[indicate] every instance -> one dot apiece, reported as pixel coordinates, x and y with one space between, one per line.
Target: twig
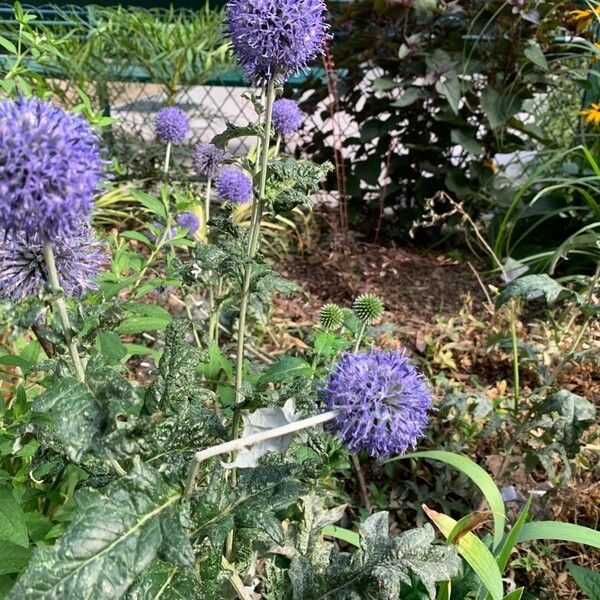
247 442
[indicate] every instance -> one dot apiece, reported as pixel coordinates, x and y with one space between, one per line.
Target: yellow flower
582 19
591 114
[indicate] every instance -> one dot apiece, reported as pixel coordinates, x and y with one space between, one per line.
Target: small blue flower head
189 221
172 125
78 255
274 39
207 159
383 399
287 116
233 185
50 168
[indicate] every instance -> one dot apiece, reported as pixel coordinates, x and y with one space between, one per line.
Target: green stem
253 243
515 353
207 205
167 158
61 307
254 235
359 337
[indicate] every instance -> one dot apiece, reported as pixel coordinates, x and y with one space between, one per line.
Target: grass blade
478 476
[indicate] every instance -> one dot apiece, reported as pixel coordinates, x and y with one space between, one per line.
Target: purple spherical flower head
274 39
383 399
78 255
287 116
207 159
233 185
172 125
50 168
189 221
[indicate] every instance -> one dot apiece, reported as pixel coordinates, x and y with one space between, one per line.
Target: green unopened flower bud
331 316
368 308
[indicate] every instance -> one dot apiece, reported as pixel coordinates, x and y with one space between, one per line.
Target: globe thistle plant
233 185
172 125
287 116
368 308
207 159
189 221
383 402
78 257
274 39
50 168
331 316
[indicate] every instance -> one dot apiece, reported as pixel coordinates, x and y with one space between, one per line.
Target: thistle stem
359 337
257 211
207 204
515 356
167 158
247 442
61 308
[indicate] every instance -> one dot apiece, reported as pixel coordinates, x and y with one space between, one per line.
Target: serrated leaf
576 415
530 287
74 418
587 580
12 519
113 536
165 582
116 395
176 547
186 428
264 419
176 373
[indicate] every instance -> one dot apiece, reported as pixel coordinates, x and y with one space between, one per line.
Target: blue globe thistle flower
287 116
78 255
274 39
189 221
172 125
207 159
233 185
383 399
50 168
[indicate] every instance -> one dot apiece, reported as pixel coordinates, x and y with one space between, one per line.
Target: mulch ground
417 288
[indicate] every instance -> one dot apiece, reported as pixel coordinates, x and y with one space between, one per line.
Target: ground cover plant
154 445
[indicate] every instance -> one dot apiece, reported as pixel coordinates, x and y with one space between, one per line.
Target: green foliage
73 418
587 580
452 90
115 534
381 568
530 287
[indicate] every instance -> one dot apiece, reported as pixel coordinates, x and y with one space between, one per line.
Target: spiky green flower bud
331 316
368 308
